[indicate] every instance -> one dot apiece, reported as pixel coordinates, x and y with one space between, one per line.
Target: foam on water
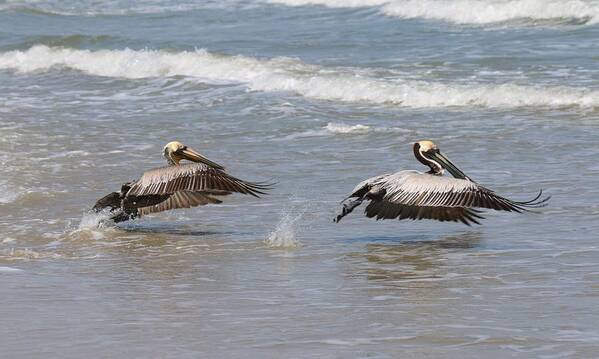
331 3
456 11
475 12
284 74
343 128
10 270
487 12
335 128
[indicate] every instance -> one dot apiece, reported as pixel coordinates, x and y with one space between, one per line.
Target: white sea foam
343 128
292 75
486 12
4 269
473 11
455 11
358 129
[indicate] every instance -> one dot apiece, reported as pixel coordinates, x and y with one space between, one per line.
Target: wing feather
416 195
179 199
422 189
193 177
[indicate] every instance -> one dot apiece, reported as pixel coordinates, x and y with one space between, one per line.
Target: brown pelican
430 195
175 186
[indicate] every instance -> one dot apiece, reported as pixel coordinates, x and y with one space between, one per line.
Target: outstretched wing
415 195
192 177
180 199
390 210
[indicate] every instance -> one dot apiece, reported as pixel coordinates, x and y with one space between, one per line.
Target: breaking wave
477 12
488 12
291 75
454 11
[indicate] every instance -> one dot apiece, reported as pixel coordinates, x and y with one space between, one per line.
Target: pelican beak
191 155
448 165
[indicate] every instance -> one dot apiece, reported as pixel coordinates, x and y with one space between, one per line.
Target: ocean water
315 95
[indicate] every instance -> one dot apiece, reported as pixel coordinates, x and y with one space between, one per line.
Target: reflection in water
396 262
171 230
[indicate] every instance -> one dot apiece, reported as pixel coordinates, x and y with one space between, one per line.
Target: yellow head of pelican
427 145
428 154
175 151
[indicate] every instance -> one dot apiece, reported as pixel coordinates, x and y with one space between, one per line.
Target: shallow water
316 96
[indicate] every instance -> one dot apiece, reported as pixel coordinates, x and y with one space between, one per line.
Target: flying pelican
430 195
175 186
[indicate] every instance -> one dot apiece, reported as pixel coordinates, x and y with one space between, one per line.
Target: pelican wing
389 210
180 199
111 201
192 177
415 195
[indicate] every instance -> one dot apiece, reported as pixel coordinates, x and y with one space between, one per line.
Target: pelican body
416 195
177 185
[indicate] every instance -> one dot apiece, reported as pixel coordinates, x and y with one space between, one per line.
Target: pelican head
428 154
175 151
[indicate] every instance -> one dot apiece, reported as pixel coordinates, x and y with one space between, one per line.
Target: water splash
92 220
91 226
8 194
284 235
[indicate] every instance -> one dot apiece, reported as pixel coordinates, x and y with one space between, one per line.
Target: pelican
175 186
430 195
